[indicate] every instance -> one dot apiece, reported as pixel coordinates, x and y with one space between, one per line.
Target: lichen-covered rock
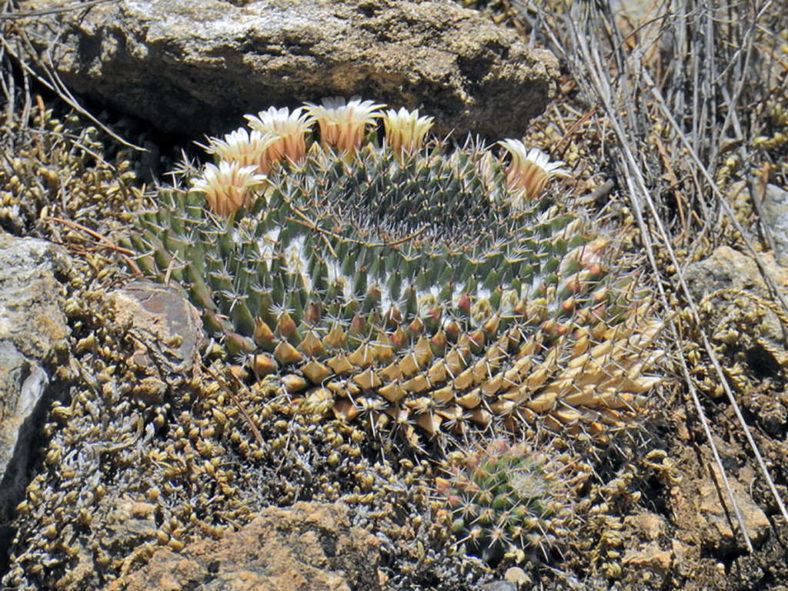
30 313
32 324
775 205
648 556
727 268
309 546
733 293
194 67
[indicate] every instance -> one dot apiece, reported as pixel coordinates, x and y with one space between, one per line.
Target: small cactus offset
506 501
416 284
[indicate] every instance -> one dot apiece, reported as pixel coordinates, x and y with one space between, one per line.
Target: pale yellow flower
289 129
243 147
405 130
529 170
227 187
343 125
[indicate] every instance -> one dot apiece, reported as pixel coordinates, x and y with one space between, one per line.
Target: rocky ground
132 455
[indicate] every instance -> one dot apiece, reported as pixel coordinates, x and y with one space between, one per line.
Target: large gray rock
195 66
32 327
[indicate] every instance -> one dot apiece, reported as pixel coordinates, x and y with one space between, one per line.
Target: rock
719 519
167 330
775 218
130 525
649 524
32 327
708 523
649 556
500 586
729 269
516 575
194 67
308 547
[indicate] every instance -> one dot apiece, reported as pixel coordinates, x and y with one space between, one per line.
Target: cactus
505 500
421 286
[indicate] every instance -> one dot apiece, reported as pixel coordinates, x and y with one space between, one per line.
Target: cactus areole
378 272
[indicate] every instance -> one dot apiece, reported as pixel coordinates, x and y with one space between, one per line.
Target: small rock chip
499 586
167 327
649 556
650 524
517 576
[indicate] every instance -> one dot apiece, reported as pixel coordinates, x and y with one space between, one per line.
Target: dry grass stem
695 113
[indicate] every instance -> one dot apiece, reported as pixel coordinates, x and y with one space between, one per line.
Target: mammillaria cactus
403 280
505 499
